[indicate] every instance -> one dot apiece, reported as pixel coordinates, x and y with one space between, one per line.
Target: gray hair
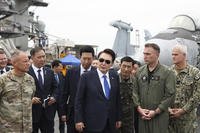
15 54
181 48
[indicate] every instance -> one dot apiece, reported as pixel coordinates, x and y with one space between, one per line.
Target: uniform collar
155 69
129 80
185 70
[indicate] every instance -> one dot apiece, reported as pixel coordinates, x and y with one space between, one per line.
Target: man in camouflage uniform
16 91
154 92
126 91
183 112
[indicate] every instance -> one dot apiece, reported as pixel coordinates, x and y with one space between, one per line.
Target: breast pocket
188 82
12 92
188 87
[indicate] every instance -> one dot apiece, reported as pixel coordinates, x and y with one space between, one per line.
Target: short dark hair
127 59
55 63
137 62
95 57
110 52
87 49
35 50
154 46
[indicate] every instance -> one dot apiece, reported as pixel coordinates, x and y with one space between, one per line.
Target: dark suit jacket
69 92
91 105
61 86
7 68
49 88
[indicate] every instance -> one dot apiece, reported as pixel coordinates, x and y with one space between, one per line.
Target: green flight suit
187 98
154 90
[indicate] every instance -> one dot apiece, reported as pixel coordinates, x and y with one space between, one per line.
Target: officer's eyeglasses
103 60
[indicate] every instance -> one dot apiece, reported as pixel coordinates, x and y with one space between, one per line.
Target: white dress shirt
83 69
102 80
4 70
36 72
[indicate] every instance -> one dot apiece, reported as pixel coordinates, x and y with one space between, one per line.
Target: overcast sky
87 21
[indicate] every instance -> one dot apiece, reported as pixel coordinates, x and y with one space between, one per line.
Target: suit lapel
60 77
45 76
75 77
111 78
7 69
98 84
78 72
33 74
93 68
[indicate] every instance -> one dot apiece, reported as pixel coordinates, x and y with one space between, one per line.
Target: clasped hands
146 114
176 112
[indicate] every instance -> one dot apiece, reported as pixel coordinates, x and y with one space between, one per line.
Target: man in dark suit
72 78
97 102
3 62
44 106
57 68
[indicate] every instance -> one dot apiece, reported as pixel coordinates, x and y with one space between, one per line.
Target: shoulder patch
197 76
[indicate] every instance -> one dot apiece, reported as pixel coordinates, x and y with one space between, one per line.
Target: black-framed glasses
103 60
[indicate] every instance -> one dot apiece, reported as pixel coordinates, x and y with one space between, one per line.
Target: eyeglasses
103 60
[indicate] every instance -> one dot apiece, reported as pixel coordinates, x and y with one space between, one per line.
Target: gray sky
87 21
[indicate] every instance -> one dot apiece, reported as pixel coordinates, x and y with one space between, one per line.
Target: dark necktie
85 70
2 71
40 78
106 87
56 77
